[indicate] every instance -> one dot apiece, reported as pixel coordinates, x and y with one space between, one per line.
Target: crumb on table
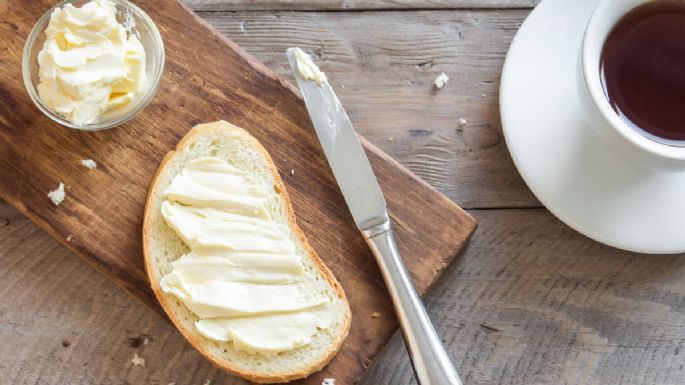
375 314
57 196
441 80
89 164
138 360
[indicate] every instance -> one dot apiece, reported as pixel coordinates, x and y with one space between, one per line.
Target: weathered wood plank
533 302
383 64
62 322
529 302
347 5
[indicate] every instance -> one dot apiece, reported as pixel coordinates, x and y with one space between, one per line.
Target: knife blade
352 171
345 154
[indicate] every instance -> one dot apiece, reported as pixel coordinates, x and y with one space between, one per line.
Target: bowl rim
141 102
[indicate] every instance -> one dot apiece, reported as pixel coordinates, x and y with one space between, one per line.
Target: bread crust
223 128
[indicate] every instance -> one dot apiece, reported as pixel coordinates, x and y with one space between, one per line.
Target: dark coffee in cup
643 70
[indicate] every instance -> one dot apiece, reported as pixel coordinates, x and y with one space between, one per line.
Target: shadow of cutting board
208 77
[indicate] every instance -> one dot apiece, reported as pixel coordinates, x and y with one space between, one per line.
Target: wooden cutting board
208 77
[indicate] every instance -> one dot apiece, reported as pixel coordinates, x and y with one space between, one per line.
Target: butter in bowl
92 65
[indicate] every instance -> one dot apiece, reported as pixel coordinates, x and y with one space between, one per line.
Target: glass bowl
139 23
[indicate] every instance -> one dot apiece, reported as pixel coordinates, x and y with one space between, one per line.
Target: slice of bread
161 246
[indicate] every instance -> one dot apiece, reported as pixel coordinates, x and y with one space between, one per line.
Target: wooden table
529 301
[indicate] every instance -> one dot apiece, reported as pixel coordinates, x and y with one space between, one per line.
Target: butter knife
365 200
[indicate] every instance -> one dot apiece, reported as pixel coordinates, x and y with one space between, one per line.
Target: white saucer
570 170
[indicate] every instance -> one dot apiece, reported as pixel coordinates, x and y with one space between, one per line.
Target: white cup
618 134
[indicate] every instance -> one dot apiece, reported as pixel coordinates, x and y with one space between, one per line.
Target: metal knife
365 200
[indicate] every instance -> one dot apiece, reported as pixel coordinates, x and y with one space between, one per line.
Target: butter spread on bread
246 170
243 276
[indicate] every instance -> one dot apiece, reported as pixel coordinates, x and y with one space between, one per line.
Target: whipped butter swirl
89 63
244 276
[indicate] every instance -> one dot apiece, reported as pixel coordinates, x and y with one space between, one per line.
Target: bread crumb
375 314
390 139
292 172
483 96
462 122
208 382
171 383
89 164
146 340
328 381
69 238
242 27
441 80
138 360
57 196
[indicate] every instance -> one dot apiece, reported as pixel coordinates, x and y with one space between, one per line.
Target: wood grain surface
351 5
529 301
100 218
383 65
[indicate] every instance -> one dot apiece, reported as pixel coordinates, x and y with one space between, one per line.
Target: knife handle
429 359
